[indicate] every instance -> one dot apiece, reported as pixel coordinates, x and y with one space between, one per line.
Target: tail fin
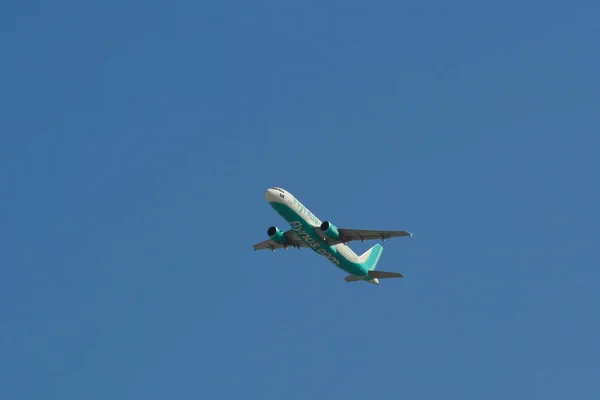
370 257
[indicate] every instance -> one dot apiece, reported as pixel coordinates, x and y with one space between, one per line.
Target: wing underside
291 240
348 235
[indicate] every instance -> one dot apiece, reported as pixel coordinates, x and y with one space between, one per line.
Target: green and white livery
326 239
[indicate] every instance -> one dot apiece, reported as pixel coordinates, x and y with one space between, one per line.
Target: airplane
326 239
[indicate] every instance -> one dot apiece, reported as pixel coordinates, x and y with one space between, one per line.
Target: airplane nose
271 195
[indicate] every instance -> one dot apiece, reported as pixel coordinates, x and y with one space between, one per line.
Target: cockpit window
279 189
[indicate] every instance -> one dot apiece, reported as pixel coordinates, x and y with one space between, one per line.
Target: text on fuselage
305 211
314 244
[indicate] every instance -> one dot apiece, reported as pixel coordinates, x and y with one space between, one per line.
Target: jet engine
276 235
330 230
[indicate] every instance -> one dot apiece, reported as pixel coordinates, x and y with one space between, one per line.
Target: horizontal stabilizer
374 274
384 275
352 278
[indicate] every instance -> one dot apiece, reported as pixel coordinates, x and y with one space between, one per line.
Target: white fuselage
307 227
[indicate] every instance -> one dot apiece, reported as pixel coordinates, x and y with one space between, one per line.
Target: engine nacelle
276 235
330 230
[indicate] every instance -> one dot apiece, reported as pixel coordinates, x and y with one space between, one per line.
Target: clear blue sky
137 140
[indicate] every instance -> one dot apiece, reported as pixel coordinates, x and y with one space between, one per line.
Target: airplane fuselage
306 225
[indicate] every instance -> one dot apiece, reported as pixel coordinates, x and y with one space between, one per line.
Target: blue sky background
137 140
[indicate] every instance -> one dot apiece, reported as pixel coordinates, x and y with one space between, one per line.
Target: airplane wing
291 240
347 235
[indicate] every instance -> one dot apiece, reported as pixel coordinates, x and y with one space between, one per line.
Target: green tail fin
370 257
